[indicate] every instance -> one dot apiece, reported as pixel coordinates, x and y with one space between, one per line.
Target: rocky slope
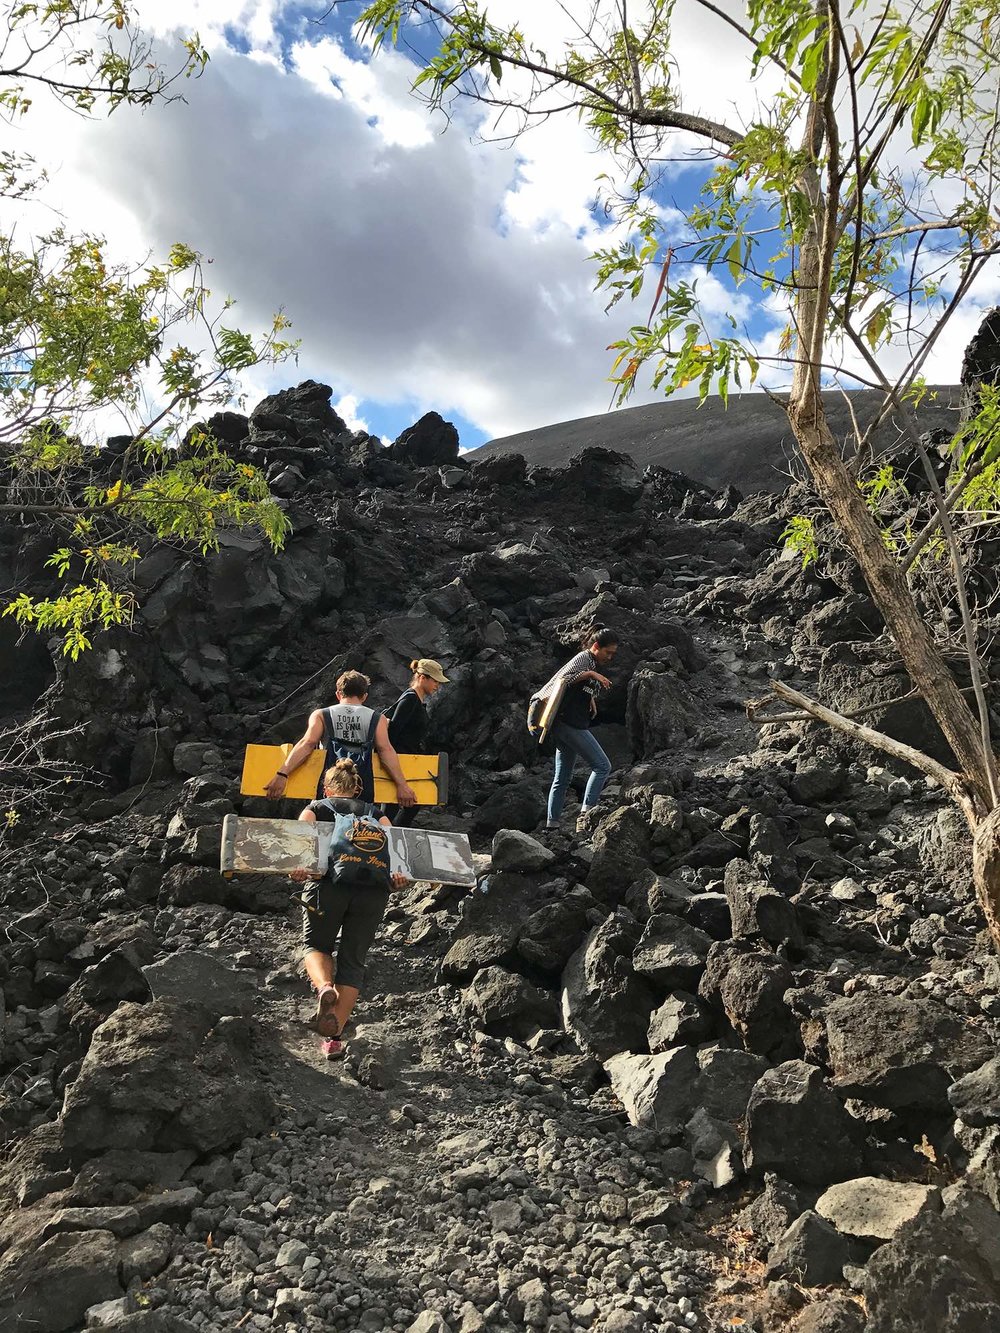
727 1060
747 443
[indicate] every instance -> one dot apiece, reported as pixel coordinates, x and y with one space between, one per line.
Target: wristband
280 774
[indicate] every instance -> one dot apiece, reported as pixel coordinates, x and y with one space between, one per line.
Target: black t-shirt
575 709
406 724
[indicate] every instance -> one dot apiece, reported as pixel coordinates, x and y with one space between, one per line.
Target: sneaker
324 1020
583 821
333 1048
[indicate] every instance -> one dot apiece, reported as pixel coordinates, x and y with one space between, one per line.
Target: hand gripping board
427 774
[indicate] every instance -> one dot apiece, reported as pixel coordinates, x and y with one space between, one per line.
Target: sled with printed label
279 846
427 774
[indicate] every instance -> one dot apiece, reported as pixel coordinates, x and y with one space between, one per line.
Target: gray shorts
354 914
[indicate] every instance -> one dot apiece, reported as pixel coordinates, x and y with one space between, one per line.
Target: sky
421 267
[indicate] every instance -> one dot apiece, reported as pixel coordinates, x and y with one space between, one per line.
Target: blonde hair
343 777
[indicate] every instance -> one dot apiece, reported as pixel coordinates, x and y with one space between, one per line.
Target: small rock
811 1252
516 851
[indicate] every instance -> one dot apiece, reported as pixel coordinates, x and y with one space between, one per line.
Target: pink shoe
333 1049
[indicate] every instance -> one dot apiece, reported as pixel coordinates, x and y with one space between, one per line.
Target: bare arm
300 752
390 762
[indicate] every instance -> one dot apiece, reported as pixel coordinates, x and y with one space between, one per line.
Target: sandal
324 1020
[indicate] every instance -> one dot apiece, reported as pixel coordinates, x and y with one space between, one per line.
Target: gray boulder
662 712
506 1004
872 1209
671 953
514 850
657 1091
797 1127
605 1005
99 989
166 1076
932 1278
838 1314
715 1149
770 855
621 854
549 937
749 987
975 1099
810 1252
756 910
772 1212
489 925
147 1254
710 912
679 1021
726 1078
519 805
49 1289
429 442
203 979
899 1053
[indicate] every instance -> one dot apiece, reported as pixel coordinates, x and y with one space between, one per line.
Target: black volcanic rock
429 442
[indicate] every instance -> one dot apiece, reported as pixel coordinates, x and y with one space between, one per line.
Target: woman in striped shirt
584 679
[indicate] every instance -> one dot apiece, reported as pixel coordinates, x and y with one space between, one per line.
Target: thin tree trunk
887 584
926 667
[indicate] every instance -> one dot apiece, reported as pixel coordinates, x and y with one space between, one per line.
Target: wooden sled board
279 846
550 712
427 774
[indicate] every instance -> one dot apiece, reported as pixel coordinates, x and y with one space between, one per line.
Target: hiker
408 722
584 679
349 730
349 900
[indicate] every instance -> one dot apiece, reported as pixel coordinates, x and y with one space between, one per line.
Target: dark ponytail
600 635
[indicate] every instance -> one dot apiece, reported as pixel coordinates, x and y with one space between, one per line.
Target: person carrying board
582 679
347 730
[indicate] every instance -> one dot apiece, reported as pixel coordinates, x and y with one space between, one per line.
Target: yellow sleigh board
427 774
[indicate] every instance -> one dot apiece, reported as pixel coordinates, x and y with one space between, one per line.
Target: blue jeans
574 743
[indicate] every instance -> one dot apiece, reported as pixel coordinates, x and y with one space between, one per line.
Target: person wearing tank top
349 730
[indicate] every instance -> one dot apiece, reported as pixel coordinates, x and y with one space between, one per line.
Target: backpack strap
327 728
376 718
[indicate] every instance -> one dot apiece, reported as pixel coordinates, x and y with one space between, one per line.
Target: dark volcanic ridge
748 445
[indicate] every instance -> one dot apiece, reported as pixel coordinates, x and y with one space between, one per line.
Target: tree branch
952 782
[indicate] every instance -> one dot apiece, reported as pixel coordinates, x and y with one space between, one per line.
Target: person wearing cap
408 721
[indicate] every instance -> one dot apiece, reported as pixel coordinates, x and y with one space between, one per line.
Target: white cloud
420 268
346 407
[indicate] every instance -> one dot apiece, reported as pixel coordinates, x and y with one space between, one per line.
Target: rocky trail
724 1060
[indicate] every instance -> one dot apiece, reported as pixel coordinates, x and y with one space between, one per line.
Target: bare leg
346 999
319 969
